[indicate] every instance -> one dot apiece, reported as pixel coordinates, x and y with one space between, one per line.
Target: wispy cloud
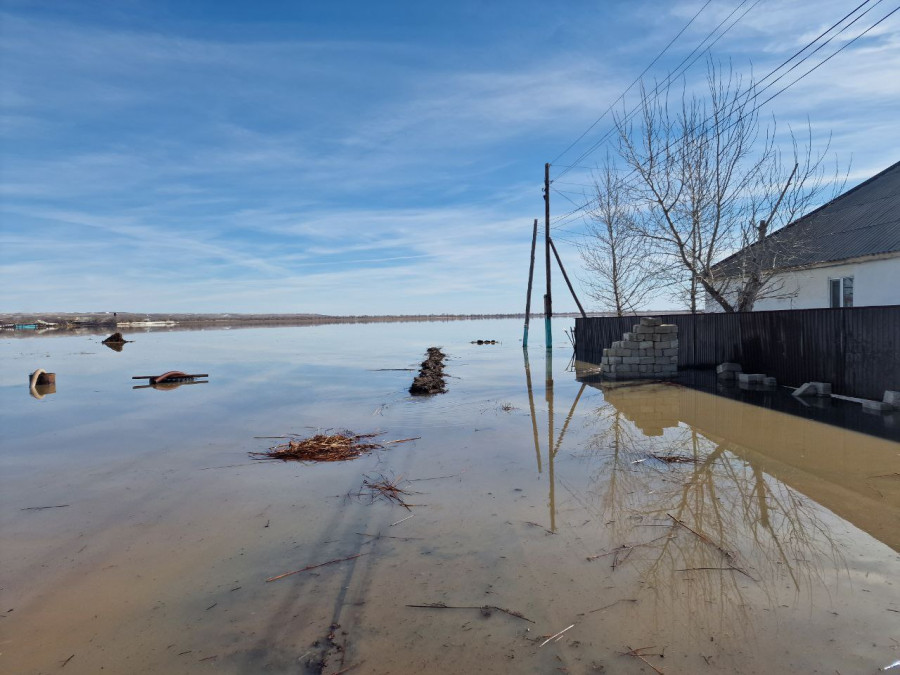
312 165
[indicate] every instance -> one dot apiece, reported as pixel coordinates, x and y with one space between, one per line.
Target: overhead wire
679 70
565 218
633 82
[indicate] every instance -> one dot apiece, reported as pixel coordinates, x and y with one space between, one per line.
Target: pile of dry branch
431 376
321 448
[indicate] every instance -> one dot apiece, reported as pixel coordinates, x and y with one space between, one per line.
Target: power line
560 220
635 81
678 71
757 92
835 53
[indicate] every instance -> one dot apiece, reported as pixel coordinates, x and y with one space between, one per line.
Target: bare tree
705 182
614 252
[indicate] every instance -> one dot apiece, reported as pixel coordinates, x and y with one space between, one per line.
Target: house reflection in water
854 475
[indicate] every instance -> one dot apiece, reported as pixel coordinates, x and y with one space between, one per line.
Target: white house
843 254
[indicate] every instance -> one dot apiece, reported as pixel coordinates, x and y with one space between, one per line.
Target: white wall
875 282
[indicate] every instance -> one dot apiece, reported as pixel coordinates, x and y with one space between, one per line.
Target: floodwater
667 529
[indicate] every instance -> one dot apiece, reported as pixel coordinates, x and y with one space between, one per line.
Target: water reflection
554 442
849 473
41 383
168 386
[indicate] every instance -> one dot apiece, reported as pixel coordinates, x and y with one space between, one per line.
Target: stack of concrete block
650 350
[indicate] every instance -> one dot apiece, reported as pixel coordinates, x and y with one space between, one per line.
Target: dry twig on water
636 653
621 553
725 552
612 604
485 609
312 567
556 635
386 488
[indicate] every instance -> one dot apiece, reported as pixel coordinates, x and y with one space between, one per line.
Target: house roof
863 221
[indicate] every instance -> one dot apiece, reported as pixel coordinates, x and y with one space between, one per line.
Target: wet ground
666 528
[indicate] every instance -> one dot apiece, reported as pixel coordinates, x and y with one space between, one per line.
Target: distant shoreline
42 323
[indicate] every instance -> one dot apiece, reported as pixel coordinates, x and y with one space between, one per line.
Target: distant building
843 254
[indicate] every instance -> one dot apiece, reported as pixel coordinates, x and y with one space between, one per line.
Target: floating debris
484 342
485 610
386 488
116 342
170 377
337 447
675 459
431 376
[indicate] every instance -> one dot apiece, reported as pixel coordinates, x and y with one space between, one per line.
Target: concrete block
814 389
643 369
631 344
877 406
806 389
617 344
727 375
631 359
770 382
667 328
645 344
892 398
643 329
647 360
751 378
670 352
651 321
615 359
728 367
606 352
658 337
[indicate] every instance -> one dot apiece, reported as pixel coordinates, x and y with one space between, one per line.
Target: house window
841 292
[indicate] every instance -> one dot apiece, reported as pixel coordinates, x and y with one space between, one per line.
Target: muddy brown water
771 546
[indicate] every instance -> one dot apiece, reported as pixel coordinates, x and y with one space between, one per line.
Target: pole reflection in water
553 442
548 395
537 445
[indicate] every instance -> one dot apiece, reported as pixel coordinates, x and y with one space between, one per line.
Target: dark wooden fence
856 349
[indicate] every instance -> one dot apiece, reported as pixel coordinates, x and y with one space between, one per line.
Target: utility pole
530 279
548 298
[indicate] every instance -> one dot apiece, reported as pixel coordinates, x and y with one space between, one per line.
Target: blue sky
353 157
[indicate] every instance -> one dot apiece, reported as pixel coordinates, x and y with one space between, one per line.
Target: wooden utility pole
530 279
548 298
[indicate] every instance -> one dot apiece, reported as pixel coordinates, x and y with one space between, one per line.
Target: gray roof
864 221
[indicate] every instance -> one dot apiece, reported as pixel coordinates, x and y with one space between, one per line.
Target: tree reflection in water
742 528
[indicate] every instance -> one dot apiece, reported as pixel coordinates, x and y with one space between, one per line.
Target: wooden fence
856 349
